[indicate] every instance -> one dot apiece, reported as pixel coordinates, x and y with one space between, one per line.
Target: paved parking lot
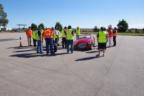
24 73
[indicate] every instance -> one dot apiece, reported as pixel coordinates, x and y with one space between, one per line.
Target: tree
3 17
33 26
122 26
41 26
58 26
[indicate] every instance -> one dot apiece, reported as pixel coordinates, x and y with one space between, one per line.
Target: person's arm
107 37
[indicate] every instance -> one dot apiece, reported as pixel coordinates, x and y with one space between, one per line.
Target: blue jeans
49 45
69 46
39 46
77 37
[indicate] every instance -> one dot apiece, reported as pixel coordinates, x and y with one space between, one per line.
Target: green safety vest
35 35
63 33
78 31
102 37
69 35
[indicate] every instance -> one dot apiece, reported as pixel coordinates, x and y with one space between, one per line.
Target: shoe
98 55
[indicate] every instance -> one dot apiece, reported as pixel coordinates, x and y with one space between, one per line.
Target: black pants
34 42
114 40
64 42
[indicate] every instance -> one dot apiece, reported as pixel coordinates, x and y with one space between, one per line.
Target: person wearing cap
102 41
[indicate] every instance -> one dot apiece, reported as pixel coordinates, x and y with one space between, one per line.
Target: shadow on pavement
3 40
64 53
92 51
24 50
87 58
24 47
28 55
32 55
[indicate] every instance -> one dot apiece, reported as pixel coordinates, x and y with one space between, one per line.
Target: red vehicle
85 43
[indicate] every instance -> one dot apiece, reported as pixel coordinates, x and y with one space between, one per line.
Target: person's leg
28 40
110 41
47 45
104 49
103 52
34 43
98 50
77 37
37 47
68 43
63 43
114 41
41 47
55 46
52 46
71 46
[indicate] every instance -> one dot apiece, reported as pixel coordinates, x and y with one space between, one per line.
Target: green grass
120 33
130 34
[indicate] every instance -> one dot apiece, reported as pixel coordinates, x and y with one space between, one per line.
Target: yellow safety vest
102 37
35 35
78 31
69 35
63 33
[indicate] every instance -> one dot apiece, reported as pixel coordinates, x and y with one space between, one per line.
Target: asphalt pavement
25 73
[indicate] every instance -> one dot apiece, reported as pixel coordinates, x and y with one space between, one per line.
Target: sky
83 13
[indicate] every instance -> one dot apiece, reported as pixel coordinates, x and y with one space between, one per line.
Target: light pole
21 25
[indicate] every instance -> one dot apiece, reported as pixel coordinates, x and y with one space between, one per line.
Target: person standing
49 35
57 36
78 32
39 42
69 38
56 39
29 36
110 35
114 36
35 37
63 32
102 41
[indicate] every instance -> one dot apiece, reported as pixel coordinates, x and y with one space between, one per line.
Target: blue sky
83 13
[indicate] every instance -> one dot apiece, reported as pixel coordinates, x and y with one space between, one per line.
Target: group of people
52 37
106 37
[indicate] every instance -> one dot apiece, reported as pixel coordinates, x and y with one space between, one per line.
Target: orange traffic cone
20 42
